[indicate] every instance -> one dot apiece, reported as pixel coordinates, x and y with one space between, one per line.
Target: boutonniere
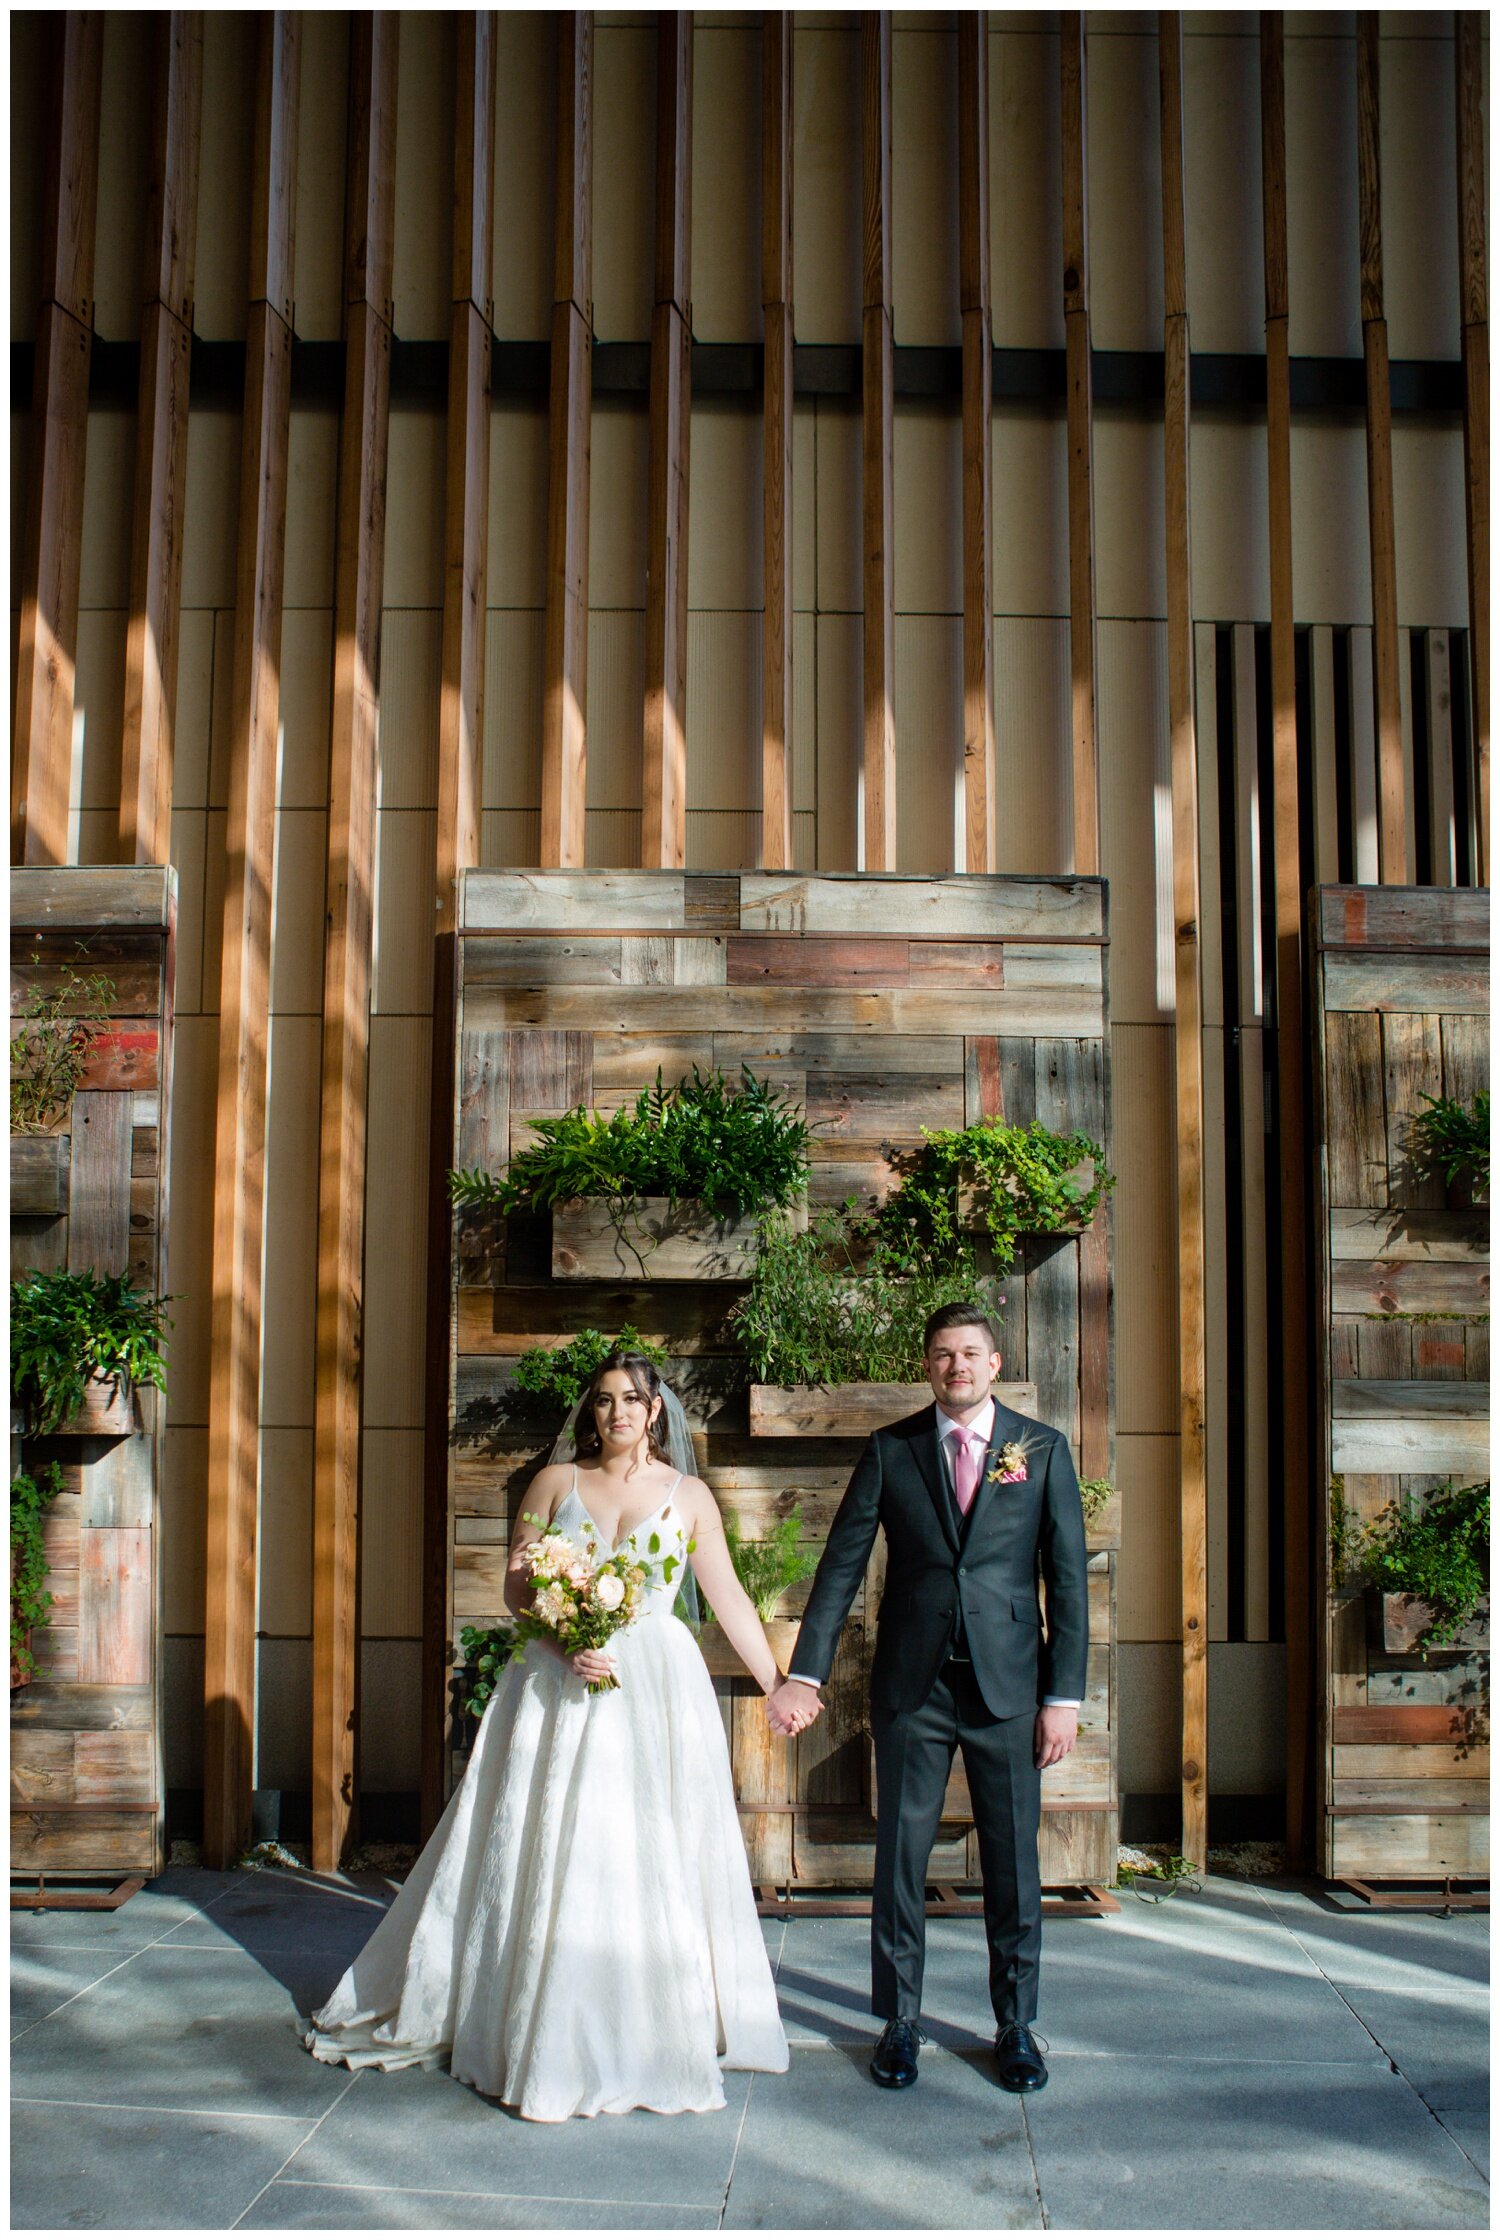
1010 1469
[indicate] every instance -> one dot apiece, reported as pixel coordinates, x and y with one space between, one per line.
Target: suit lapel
924 1446
988 1496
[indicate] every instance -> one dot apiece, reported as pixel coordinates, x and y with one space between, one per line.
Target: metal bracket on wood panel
1473 1897
786 1901
66 1898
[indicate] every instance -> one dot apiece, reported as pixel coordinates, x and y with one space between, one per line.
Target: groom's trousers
913 1759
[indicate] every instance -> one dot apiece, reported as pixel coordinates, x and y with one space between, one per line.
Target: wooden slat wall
974 296
776 294
1389 751
664 771
877 829
1083 655
161 442
349 917
244 991
1188 1017
565 645
51 556
1473 283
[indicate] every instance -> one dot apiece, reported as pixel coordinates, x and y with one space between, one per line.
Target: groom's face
962 1365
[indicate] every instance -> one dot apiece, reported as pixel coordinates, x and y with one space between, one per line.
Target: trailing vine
30 1599
49 1051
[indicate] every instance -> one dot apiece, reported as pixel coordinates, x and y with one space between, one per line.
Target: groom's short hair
961 1315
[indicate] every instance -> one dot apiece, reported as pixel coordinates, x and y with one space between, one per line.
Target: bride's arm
542 1497
714 1571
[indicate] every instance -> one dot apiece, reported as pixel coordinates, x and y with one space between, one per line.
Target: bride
579 1936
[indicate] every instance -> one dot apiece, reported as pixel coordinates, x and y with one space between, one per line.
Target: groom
975 1501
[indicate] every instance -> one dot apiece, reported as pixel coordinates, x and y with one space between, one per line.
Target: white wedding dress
579 1936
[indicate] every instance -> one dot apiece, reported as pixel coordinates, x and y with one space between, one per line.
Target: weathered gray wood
1397 1847
38 1175
656 1243
1400 1443
1047 1012
852 1411
1393 1401
99 1182
1404 1618
1410 1287
1389 917
972 905
67 1708
572 902
1357 1173
84 895
1413 1062
1403 1233
494 960
1393 980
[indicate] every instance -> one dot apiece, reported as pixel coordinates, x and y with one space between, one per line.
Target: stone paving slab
126 2168
1472 2131
173 1899
287 2207
43 1977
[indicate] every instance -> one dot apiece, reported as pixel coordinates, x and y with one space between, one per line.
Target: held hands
1055 1734
793 1706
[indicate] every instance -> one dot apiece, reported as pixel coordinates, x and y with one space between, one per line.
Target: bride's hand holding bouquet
579 1604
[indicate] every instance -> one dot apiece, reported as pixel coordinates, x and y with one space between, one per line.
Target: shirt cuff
806 1678
1064 1703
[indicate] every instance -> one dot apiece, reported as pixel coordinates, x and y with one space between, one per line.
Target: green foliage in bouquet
49 1051
766 1568
66 1328
1439 1552
1003 1180
487 1650
29 1598
739 1151
843 1303
1452 1138
552 1377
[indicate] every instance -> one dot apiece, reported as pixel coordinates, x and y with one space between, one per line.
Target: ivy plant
1436 1549
552 1377
487 1650
1003 1180
1452 1139
767 1568
67 1329
30 1600
49 1051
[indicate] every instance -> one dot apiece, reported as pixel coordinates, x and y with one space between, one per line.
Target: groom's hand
1056 1732
793 1706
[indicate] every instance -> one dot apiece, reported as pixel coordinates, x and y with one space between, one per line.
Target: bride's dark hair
642 1374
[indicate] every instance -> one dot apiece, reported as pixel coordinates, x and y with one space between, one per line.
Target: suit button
963 1571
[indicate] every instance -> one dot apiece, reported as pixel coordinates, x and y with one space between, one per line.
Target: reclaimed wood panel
1410 1287
898 1011
1410 1846
994 909
1394 980
1398 1233
46 899
39 1175
99 1185
83 1843
852 1411
1403 918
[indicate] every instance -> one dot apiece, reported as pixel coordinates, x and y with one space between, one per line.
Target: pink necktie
965 1469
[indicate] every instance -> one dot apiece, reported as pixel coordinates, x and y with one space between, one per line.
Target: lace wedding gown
579 1936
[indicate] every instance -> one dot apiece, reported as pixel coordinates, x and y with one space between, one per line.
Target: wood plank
1393 1797
38 1175
501 961
852 1411
239 1150
1475 344
1395 1401
1083 660
762 960
51 553
90 898
972 907
565 631
1411 1762
83 1843
965 964
1391 981
658 1244
114 1769
1071 1012
549 1071
514 1317
664 766
593 902
99 1183
60 1707
1443 918
41 1768
1355 1108
1398 1233
1390 766
1379 1847
978 850
876 840
130 960
779 413
1428 1723
1409 1287
115 1606
161 441
866 1107
1406 1618
1466 1057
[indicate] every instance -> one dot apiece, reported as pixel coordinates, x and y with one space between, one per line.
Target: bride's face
621 1412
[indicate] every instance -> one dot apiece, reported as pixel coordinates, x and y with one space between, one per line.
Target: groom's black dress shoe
1022 2068
894 2061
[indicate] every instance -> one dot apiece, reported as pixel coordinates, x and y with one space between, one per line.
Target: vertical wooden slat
664 774
348 953
974 285
1081 636
1388 747
877 837
161 443
1188 1018
1474 313
47 643
565 644
1296 1391
776 295
244 992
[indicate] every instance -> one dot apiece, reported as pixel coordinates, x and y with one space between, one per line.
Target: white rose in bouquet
609 1591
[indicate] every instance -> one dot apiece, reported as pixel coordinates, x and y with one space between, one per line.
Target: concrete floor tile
824 2146
1225 2145
1442 2053
310 2208
44 1976
274 1907
121 2168
175 1898
1471 2129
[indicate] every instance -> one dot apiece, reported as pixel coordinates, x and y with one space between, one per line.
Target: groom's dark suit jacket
950 1581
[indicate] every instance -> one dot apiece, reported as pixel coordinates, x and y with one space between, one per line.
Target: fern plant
552 1377
30 1599
1439 1552
1007 1181
1452 1139
766 1568
68 1329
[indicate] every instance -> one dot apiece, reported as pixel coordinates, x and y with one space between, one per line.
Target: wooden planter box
39 1175
109 1411
658 1243
1104 1532
724 1663
851 1411
1404 1618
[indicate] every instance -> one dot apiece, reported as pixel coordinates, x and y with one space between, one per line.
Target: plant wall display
68 1330
49 1051
29 1598
552 1377
1004 1181
1096 1494
1437 1550
767 1568
1451 1139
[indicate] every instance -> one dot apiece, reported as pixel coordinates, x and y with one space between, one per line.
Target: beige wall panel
511 839
124 160
306 707
184 1526
725 283
390 1531
724 713
1025 192
840 737
617 692
195 683
322 142
826 190
1148 1593
517 506
924 182
839 482
285 1551
405 908
619 507
395 1237
1322 199
411 680
624 178
421 282
929 739
1330 533
211 509
722 839
804 509
1029 514
291 1242
1419 236
1135 817
1221 107
726 498
1216 1335
1124 180
98 709
929 508
1427 468
804 715
1205 671
189 839
90 836
224 170
195 1060
1144 1218
525 157
1230 540
416 480
29 31
297 911
1129 537
511 773
1033 744
611 839
312 486
215 822
104 573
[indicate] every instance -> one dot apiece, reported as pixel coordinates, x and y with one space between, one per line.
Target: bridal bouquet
579 1604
